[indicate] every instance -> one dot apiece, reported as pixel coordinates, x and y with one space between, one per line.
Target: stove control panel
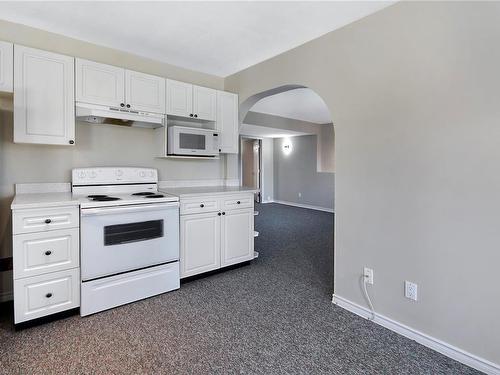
113 175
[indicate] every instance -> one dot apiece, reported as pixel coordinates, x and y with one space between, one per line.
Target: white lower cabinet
215 239
237 237
46 261
47 294
200 243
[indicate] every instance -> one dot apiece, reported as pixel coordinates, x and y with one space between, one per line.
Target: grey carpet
271 317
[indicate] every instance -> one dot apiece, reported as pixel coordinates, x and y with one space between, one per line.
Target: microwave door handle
127 209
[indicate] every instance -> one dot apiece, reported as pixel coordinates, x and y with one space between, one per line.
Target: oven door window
192 141
132 232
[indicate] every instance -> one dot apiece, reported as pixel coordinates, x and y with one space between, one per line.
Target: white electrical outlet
411 290
300 195
368 274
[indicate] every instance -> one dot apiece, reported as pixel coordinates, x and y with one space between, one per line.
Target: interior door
179 98
200 243
250 164
99 83
204 103
44 99
237 236
144 92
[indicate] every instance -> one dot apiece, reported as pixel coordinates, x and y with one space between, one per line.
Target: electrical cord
364 280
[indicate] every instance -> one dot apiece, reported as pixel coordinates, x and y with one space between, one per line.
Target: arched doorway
288 134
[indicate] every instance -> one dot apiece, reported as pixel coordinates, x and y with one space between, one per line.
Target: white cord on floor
364 280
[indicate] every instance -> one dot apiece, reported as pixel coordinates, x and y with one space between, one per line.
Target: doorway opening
251 159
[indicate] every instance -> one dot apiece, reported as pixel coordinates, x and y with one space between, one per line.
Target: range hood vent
96 114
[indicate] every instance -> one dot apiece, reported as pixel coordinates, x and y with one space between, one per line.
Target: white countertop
36 200
185 192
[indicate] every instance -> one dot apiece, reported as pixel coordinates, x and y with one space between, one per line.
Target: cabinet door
6 66
204 103
179 98
44 100
144 92
99 83
227 121
237 237
200 243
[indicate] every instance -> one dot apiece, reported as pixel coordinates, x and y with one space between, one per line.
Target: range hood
97 114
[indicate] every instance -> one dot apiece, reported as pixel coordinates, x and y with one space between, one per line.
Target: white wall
267 193
414 95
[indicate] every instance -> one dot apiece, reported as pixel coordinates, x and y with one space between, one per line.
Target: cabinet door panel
6 66
200 243
44 108
99 83
227 121
179 98
144 92
204 103
237 237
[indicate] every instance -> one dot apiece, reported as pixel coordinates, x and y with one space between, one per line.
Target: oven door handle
127 209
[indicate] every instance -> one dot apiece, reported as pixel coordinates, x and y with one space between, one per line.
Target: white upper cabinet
227 121
99 83
6 66
187 100
179 98
144 92
44 100
204 103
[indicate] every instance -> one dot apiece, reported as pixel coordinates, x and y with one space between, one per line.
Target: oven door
124 238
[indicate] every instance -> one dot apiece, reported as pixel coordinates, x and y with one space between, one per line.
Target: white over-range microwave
187 141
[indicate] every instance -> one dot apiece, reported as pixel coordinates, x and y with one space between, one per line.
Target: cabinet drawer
43 295
39 253
43 219
238 201
199 205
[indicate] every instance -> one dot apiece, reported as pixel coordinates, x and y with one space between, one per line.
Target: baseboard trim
270 201
442 347
308 206
6 296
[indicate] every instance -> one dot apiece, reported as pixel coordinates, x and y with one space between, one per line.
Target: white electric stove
129 240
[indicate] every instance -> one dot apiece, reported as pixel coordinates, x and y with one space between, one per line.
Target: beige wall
414 94
95 145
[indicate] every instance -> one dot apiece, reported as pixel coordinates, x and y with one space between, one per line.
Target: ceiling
299 104
219 38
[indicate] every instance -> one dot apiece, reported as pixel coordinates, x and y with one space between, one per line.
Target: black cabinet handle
195 115
223 213
48 221
48 295
71 142
48 252
219 213
220 150
122 104
202 205
190 115
238 202
128 105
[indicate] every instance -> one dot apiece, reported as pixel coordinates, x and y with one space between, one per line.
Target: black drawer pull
223 213
48 252
48 295
202 205
238 202
219 213
48 221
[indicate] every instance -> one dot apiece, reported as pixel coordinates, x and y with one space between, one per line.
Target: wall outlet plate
368 275
411 290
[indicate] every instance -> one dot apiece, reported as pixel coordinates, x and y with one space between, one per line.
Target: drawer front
44 219
43 295
199 205
44 252
238 201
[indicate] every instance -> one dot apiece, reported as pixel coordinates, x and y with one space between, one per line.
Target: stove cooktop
125 198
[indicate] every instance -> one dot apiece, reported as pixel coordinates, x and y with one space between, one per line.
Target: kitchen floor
273 316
